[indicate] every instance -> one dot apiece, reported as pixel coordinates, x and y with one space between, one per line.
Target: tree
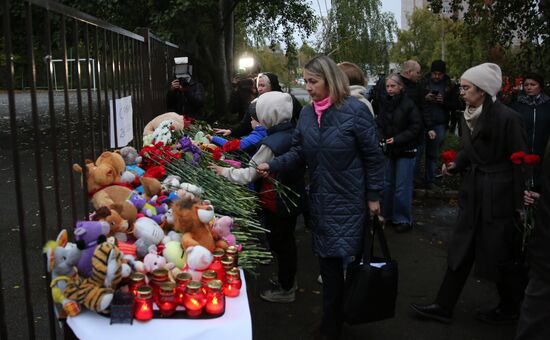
206 29
359 32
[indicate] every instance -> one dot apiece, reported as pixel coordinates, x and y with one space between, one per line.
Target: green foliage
357 31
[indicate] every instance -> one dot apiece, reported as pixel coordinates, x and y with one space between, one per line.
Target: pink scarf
320 107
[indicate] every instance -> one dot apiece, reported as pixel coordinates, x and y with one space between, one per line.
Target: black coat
451 102
189 102
345 166
491 192
398 117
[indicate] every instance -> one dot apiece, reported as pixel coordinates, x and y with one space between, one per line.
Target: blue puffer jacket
345 167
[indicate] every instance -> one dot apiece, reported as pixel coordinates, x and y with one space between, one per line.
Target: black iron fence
61 72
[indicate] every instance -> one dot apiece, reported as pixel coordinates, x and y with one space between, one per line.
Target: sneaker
279 295
274 282
320 279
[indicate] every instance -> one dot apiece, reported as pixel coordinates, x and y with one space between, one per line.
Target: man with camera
440 100
186 97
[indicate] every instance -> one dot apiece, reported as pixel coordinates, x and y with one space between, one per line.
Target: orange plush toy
191 218
104 188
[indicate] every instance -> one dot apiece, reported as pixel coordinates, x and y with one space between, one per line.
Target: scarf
320 107
471 115
537 100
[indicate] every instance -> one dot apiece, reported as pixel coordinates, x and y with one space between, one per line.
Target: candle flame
214 300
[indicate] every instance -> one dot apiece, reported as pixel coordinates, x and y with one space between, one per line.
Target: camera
182 70
383 146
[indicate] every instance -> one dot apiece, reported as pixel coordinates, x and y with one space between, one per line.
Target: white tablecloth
235 324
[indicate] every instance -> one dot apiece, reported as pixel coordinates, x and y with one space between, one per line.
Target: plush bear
147 233
177 119
152 261
191 218
88 235
108 269
62 257
173 253
222 230
118 226
198 260
102 188
133 171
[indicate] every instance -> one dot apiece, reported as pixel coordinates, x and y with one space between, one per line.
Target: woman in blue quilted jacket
336 139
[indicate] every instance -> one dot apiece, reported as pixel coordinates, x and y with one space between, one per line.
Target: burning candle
232 286
207 276
136 280
182 279
215 302
167 300
217 265
234 253
227 262
194 300
143 304
159 276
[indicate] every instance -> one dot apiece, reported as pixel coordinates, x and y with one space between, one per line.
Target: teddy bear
108 270
88 235
198 260
147 232
152 261
102 179
191 218
221 229
62 257
118 226
132 159
176 118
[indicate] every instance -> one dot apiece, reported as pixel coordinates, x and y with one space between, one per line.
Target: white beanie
487 77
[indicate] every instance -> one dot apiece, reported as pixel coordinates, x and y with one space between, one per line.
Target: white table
235 324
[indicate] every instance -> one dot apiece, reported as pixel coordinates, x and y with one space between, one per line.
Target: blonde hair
396 78
337 82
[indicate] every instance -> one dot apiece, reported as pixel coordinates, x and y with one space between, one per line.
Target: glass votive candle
217 265
182 279
227 262
215 302
136 280
158 277
207 276
232 285
194 299
234 253
143 303
167 300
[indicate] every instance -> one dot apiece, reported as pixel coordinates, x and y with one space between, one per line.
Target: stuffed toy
62 257
189 190
163 133
171 183
132 159
152 261
176 118
88 235
148 233
108 269
102 188
198 260
191 218
151 187
150 208
222 230
118 226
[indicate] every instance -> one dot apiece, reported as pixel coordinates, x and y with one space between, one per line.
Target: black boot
432 311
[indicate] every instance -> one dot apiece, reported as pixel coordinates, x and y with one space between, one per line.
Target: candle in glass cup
232 285
136 280
158 277
194 299
182 279
143 303
207 276
234 253
217 265
167 300
227 262
215 302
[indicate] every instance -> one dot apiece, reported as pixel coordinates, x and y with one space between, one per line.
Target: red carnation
531 159
156 171
216 154
232 145
448 156
518 157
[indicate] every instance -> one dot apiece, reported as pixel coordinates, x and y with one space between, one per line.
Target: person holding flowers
490 198
280 211
336 139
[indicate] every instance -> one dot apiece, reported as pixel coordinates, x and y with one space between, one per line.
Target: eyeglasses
464 88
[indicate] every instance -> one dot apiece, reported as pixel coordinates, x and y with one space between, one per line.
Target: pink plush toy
222 230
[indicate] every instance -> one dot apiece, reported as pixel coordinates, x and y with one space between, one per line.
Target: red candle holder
136 280
232 285
234 253
227 263
182 279
158 277
215 302
194 299
143 304
217 265
207 276
167 300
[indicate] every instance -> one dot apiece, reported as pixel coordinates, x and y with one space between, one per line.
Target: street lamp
246 62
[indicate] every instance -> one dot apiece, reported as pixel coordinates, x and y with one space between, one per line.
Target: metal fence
48 46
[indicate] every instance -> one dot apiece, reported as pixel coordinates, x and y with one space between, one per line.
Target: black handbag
371 285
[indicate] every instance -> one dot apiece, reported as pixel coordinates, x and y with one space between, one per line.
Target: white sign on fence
124 128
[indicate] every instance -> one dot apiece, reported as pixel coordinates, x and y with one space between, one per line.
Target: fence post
147 113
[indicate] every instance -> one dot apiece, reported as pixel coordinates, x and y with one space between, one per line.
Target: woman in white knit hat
489 200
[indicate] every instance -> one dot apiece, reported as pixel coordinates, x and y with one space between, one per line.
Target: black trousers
283 244
332 272
510 288
534 319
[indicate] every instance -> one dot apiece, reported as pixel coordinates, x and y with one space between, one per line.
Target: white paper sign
124 127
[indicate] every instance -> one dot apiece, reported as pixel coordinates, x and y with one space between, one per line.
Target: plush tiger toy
96 292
